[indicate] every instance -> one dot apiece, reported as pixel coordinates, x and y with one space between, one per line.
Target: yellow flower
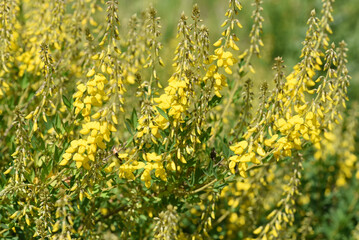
149 157
239 147
224 59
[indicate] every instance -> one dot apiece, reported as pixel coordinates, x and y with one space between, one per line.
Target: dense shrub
103 137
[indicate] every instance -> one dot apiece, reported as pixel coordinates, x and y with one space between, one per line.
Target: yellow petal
91 73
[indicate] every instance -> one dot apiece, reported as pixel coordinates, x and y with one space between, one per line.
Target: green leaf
206 134
198 174
3 180
163 113
134 118
219 185
30 176
56 154
57 124
24 81
214 101
143 217
3 226
67 102
65 183
130 140
104 194
45 171
210 167
129 126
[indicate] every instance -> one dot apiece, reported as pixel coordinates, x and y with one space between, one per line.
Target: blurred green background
283 31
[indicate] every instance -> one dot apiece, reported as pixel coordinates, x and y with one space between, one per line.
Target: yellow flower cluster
241 159
175 98
94 131
94 95
83 150
151 161
291 133
297 83
97 92
149 125
340 141
293 130
30 62
237 209
219 79
224 59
